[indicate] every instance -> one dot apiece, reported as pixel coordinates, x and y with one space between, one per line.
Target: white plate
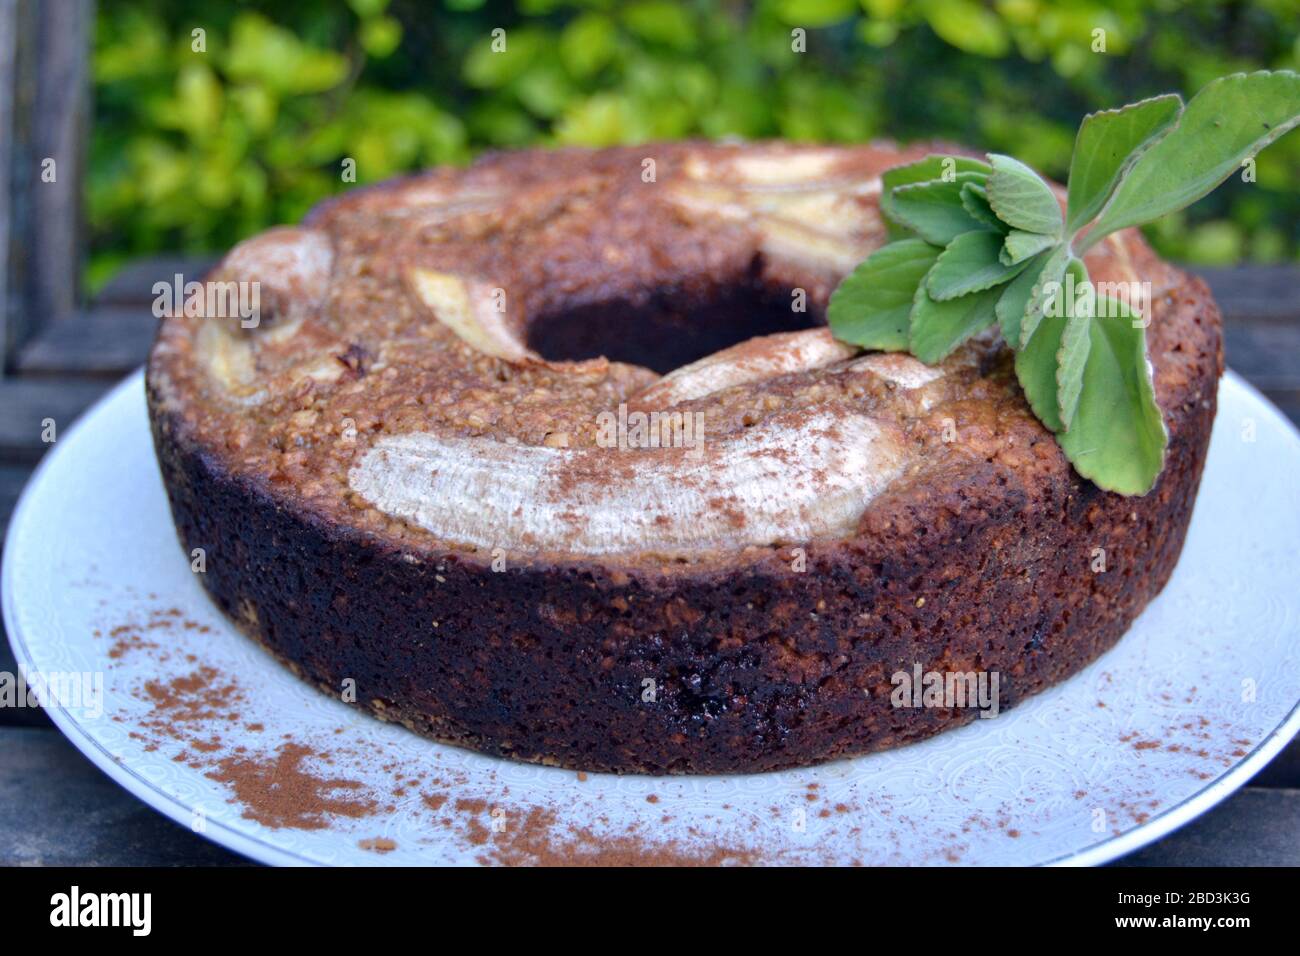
1196 698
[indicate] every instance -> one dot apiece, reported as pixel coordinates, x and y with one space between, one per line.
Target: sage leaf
969 264
937 328
1045 289
1118 437
1021 198
1015 299
1036 365
1020 245
933 210
1072 354
976 201
1107 146
871 306
933 167
1228 121
1051 365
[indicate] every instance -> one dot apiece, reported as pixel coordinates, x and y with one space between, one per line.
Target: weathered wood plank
13 478
57 809
1256 293
1288 403
18 716
8 67
1253 827
51 113
1266 353
28 403
1283 771
101 341
133 284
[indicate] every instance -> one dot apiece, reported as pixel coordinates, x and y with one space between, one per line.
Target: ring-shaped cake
553 458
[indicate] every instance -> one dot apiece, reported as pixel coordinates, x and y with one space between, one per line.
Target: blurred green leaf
496 61
1215 244
368 8
545 90
256 105
602 120
878 32
815 13
968 26
380 36
588 44
262 52
197 104
661 21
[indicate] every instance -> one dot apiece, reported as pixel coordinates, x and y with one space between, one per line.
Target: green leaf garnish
1021 198
934 210
1020 245
1118 435
939 327
1108 144
1016 295
923 171
1036 370
971 263
871 306
1041 296
1008 255
1072 355
976 201
1229 121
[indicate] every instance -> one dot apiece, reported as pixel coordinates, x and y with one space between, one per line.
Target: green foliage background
193 150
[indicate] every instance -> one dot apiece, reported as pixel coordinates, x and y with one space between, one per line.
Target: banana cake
553 457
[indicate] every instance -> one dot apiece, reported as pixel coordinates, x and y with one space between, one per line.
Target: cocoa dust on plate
283 787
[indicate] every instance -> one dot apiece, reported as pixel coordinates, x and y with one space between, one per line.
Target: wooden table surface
56 808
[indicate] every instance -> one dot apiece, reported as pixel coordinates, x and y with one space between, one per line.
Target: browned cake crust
978 555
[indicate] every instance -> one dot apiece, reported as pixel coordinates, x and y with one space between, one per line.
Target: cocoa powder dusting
276 788
537 839
279 792
185 704
134 635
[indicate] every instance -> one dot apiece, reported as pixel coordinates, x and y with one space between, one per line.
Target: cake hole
668 328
